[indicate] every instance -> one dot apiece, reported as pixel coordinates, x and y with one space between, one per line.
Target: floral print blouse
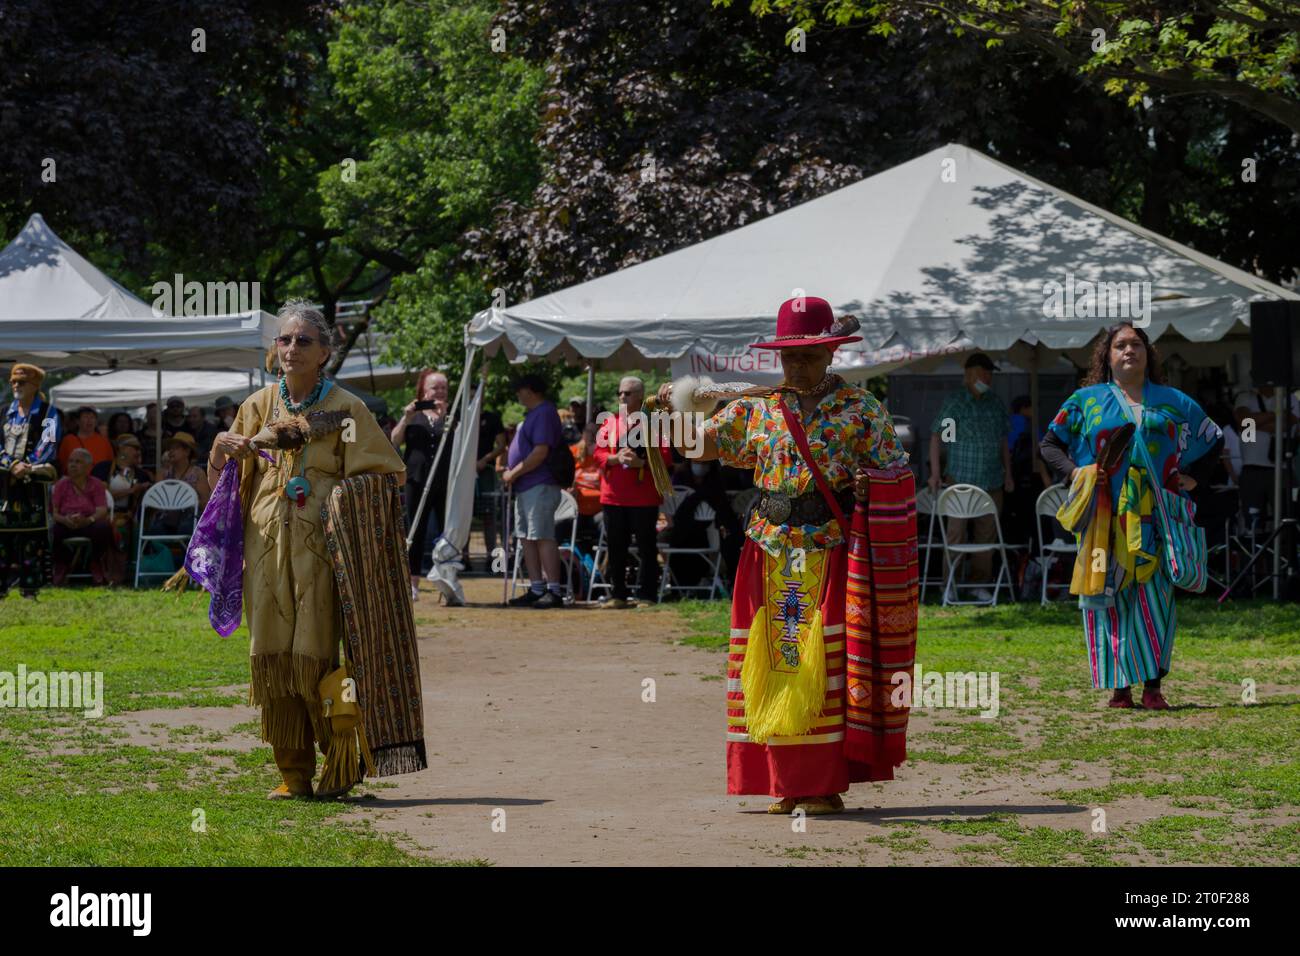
848 428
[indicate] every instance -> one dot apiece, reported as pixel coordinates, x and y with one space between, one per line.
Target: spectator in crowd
628 498
536 492
420 430
127 484
87 436
33 430
704 478
972 425
225 408
1029 475
492 446
1257 406
174 419
119 424
148 435
203 430
576 421
586 472
180 460
80 505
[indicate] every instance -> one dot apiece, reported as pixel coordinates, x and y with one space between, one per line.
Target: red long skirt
811 764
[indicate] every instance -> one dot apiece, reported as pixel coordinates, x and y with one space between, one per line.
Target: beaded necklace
306 403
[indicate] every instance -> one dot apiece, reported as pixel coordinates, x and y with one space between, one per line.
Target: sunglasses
302 340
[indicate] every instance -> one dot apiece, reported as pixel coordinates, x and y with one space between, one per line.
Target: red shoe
1154 700
1122 699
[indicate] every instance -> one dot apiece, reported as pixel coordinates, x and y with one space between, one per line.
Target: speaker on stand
1275 365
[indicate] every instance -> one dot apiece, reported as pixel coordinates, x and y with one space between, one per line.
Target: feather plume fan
292 433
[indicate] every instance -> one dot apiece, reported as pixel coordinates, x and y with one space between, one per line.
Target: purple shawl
215 556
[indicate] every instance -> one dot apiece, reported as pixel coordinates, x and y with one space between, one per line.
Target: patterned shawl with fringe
880 622
366 540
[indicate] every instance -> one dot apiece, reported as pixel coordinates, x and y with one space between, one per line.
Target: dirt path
537 719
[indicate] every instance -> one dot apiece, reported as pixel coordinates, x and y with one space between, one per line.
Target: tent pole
591 394
1281 412
157 431
1033 406
449 423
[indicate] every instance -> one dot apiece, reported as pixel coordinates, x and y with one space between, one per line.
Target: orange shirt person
586 472
87 436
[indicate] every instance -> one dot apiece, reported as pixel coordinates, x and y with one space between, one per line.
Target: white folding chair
567 509
1048 504
169 495
80 547
672 502
927 504
712 556
597 580
971 502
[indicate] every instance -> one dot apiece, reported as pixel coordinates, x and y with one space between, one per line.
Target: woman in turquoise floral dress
1130 634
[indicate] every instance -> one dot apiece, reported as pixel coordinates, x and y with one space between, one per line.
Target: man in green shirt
972 426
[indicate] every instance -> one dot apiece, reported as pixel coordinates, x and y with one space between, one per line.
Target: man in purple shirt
536 492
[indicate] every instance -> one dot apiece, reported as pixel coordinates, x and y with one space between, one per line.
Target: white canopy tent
132 387
56 308
949 252
945 254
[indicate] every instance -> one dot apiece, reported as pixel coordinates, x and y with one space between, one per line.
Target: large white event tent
56 308
947 253
950 252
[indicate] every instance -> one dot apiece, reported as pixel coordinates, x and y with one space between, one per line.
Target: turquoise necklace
306 403
298 488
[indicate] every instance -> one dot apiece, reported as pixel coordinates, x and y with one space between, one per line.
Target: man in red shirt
628 499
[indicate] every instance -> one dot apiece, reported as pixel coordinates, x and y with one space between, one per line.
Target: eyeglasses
302 340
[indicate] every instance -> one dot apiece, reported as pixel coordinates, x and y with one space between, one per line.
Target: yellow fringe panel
777 703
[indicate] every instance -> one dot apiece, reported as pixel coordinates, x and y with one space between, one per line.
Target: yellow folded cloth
1087 512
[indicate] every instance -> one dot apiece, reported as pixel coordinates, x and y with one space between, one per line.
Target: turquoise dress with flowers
1133 639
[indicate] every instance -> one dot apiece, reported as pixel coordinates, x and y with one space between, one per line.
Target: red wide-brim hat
808 320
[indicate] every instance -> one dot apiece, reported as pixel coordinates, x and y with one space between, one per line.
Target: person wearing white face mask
972 427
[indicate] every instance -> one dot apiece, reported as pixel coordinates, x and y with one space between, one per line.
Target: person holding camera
420 429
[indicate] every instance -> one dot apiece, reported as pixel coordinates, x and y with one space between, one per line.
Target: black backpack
560 463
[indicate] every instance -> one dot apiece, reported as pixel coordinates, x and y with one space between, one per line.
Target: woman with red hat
808 677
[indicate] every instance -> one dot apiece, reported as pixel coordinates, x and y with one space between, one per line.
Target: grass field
74 791
1216 780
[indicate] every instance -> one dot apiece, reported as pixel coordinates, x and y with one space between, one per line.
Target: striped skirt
1134 640
811 764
